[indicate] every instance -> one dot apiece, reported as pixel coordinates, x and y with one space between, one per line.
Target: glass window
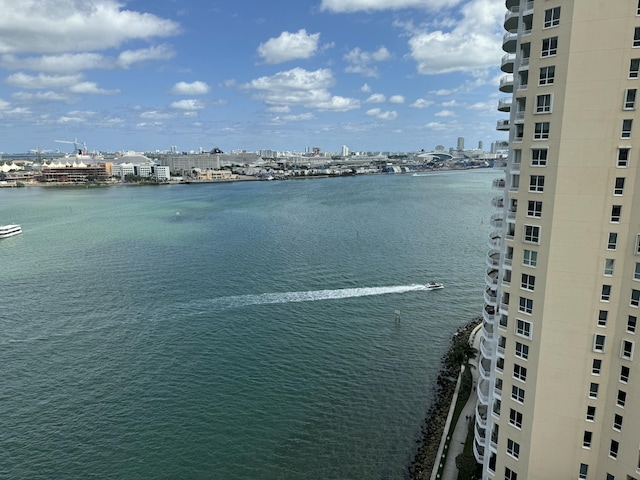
584 471
617 422
616 213
608 266
517 394
623 157
515 418
634 68
531 234
548 74
526 305
513 448
626 351
542 131
586 439
528 282
636 37
613 449
552 17
549 46
630 99
602 318
618 188
534 208
624 373
596 366
593 390
536 183
636 272
606 293
530 258
523 328
622 398
626 128
539 157
591 413
522 351
599 343
635 297
520 372
612 242
631 324
510 474
543 103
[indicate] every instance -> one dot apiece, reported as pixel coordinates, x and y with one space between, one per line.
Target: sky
146 75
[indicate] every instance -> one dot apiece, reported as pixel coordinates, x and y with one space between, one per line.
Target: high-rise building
460 145
559 384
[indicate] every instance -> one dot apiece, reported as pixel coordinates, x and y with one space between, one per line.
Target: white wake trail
309 296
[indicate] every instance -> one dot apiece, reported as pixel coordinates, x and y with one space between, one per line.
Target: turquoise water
232 331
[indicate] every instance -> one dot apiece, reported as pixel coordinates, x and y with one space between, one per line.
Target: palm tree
460 354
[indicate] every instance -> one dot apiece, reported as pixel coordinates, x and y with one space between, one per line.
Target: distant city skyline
392 75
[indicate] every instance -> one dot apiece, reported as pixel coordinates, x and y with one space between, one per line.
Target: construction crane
75 142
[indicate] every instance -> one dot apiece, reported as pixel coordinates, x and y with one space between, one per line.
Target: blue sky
390 75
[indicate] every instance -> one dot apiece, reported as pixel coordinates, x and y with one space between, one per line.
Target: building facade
559 387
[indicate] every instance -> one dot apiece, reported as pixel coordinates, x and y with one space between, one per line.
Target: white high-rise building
559 388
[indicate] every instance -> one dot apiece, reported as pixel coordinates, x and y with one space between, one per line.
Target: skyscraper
559 388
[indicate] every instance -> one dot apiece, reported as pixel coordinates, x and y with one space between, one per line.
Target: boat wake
308 296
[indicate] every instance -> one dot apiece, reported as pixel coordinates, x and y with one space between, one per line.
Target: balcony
487 331
506 84
524 63
498 183
504 104
515 167
500 163
478 452
511 3
509 42
480 436
496 220
483 391
528 9
495 239
486 348
493 256
518 117
481 414
503 125
489 314
498 202
484 368
507 63
490 298
511 19
491 278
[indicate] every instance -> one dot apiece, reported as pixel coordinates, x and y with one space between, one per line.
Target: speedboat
9 230
434 286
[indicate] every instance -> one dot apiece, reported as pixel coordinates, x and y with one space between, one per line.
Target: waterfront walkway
459 436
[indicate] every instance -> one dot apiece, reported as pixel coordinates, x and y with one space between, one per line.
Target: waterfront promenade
460 431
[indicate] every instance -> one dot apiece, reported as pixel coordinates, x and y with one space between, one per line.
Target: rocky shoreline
434 424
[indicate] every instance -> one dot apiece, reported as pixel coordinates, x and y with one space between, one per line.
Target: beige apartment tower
559 384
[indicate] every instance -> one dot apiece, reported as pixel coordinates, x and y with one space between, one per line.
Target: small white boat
9 230
434 286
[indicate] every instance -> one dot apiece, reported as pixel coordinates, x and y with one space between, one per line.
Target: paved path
459 437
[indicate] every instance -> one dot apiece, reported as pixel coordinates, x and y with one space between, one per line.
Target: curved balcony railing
507 63
489 314
490 298
493 255
509 41
506 84
498 183
498 201
479 438
504 104
511 18
503 125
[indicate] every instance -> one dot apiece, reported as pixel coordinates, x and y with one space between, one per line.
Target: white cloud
46 96
343 6
422 103
292 118
376 112
155 115
71 26
396 99
158 52
450 103
190 104
91 87
300 87
193 88
22 80
472 45
361 62
445 113
365 88
437 126
289 46
376 98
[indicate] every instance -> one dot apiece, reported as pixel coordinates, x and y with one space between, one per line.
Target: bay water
241 330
